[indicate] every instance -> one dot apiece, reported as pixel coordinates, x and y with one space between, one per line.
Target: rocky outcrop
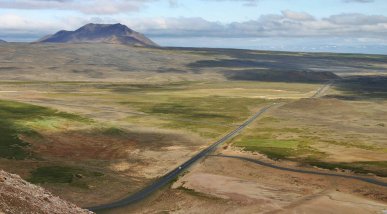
17 196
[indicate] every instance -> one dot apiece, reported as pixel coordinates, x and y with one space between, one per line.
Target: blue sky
295 25
229 11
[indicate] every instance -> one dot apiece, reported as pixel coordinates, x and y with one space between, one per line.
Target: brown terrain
93 123
222 185
18 196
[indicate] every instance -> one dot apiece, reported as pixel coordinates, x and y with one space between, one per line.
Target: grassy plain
93 123
205 108
344 129
124 132
19 118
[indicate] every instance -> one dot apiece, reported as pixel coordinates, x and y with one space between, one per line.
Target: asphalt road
364 179
170 176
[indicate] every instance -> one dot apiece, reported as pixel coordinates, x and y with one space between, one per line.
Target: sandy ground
342 154
335 202
222 185
236 189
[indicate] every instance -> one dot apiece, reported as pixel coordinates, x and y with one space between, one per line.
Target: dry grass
148 110
328 132
129 126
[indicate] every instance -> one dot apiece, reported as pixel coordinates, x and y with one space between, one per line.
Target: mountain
2 41
100 33
19 196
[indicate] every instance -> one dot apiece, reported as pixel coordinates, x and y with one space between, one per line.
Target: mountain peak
94 25
101 33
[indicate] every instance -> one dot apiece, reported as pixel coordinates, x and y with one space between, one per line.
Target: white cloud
245 2
113 6
286 24
357 19
299 16
84 6
255 2
14 22
18 27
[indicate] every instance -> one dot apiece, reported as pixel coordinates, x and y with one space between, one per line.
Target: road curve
364 179
170 176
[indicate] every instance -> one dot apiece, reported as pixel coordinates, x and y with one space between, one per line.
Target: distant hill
2 41
100 33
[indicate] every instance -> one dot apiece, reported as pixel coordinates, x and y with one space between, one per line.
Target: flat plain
95 123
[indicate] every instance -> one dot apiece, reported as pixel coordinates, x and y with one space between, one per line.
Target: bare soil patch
219 185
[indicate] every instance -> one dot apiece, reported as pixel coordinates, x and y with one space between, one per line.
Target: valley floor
134 114
222 185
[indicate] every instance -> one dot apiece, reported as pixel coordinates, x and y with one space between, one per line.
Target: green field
19 118
61 174
117 129
126 116
344 129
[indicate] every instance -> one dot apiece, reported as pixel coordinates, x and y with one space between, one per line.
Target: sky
358 26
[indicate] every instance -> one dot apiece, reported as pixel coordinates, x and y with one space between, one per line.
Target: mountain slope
100 33
2 41
19 196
